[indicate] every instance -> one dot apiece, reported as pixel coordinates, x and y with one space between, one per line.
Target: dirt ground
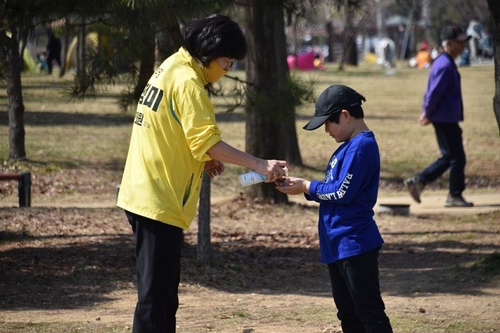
67 265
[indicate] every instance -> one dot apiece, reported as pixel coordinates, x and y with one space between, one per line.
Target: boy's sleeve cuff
312 190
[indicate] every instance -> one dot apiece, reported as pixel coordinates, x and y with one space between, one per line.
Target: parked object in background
481 43
23 185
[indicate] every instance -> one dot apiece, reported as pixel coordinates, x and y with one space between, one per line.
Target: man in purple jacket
443 108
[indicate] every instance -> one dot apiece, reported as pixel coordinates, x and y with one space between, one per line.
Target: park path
433 203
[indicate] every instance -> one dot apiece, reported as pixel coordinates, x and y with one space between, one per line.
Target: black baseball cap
454 33
334 99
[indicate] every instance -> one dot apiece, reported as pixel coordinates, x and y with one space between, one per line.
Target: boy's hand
293 185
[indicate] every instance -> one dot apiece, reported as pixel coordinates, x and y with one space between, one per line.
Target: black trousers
449 138
51 58
356 292
158 252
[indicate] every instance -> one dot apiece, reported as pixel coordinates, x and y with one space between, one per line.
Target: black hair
214 37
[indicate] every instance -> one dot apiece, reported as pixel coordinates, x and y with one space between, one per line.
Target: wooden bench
24 186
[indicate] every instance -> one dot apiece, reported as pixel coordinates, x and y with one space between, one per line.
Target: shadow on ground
55 258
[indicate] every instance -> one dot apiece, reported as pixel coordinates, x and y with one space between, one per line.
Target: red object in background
305 61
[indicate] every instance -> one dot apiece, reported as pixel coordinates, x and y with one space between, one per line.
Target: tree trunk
204 245
65 46
495 18
330 41
82 48
426 18
10 57
165 46
147 66
352 53
270 124
349 42
173 25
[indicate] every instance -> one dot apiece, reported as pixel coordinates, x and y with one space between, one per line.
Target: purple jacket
443 98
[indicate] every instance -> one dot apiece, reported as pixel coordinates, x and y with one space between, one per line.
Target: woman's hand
273 169
214 168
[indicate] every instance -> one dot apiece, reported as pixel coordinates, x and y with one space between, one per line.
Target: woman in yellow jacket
174 139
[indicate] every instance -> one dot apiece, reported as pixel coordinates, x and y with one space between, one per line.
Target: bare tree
495 18
16 23
12 66
358 14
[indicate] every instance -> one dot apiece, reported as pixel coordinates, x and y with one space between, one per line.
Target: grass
394 105
96 132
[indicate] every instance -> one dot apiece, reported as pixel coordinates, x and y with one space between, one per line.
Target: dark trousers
356 292
449 138
51 58
158 251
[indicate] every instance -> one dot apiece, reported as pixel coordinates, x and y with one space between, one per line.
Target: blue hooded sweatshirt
346 199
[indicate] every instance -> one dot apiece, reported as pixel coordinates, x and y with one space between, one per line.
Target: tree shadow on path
68 258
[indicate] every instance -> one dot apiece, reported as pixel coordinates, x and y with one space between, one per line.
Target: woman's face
217 68
225 63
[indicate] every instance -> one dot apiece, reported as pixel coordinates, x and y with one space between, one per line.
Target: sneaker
415 187
457 202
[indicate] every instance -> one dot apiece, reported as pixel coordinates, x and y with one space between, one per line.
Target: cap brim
316 122
463 37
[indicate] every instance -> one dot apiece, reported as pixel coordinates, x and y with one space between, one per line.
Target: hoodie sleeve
345 177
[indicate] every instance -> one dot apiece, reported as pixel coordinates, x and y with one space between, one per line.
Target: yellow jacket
173 129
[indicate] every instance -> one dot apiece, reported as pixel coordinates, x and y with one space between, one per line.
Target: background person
174 139
349 237
53 51
443 108
423 56
436 52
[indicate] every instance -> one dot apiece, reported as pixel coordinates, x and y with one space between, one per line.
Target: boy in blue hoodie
349 237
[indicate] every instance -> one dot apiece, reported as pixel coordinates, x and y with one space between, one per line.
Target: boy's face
341 131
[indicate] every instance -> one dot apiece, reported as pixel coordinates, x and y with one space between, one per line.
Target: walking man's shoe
457 201
415 187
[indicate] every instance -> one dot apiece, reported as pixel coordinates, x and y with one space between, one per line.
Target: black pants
51 58
158 252
449 138
356 292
